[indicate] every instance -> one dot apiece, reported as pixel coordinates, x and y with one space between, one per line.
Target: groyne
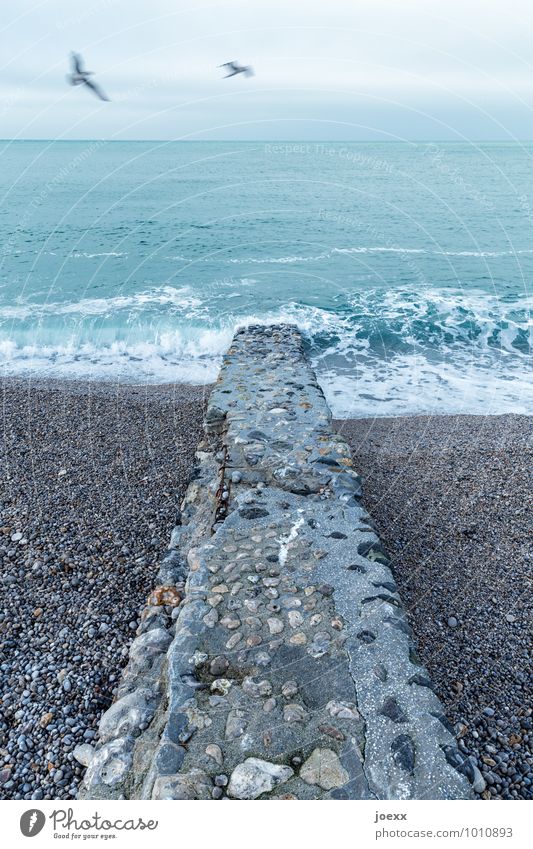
274 658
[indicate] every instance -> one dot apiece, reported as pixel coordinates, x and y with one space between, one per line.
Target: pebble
82 560
324 764
233 640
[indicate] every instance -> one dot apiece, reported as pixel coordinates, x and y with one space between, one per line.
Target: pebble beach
451 498
92 479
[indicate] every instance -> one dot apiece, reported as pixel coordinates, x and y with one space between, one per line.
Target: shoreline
94 472
103 386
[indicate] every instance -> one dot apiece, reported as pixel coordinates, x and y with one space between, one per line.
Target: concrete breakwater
274 658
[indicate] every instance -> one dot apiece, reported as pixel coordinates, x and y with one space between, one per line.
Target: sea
408 267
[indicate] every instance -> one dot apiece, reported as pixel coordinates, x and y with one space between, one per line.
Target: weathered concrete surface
288 670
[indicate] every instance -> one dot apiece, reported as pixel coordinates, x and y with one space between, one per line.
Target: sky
341 70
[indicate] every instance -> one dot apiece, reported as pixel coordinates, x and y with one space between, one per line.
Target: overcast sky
341 69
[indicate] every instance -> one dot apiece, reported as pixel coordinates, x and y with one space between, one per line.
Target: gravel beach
452 499
92 475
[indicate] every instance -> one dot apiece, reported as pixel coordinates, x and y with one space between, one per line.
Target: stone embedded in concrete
294 713
391 709
323 767
214 751
403 752
127 715
110 764
147 646
168 758
253 777
192 785
235 724
84 753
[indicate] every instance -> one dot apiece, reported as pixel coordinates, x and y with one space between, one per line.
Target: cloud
338 70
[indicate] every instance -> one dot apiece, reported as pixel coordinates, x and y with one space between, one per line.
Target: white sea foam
373 249
96 254
181 298
378 250
280 260
412 385
380 353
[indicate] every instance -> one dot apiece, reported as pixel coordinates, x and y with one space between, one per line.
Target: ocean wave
182 298
371 249
280 260
378 250
289 259
484 253
96 254
172 356
69 254
379 351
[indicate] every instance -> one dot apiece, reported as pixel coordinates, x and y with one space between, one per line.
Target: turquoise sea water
408 267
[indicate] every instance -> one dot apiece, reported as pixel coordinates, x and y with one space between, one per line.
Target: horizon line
279 141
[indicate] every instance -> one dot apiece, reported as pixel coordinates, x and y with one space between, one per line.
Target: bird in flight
235 68
81 77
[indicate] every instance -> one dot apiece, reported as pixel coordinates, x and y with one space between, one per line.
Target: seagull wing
249 71
97 90
77 63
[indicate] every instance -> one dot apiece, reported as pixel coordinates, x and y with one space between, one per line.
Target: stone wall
274 658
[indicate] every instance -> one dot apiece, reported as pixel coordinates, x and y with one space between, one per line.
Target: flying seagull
235 68
81 77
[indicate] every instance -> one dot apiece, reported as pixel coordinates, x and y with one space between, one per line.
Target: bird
81 77
235 68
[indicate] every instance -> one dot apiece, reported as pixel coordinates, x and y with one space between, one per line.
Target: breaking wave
377 352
